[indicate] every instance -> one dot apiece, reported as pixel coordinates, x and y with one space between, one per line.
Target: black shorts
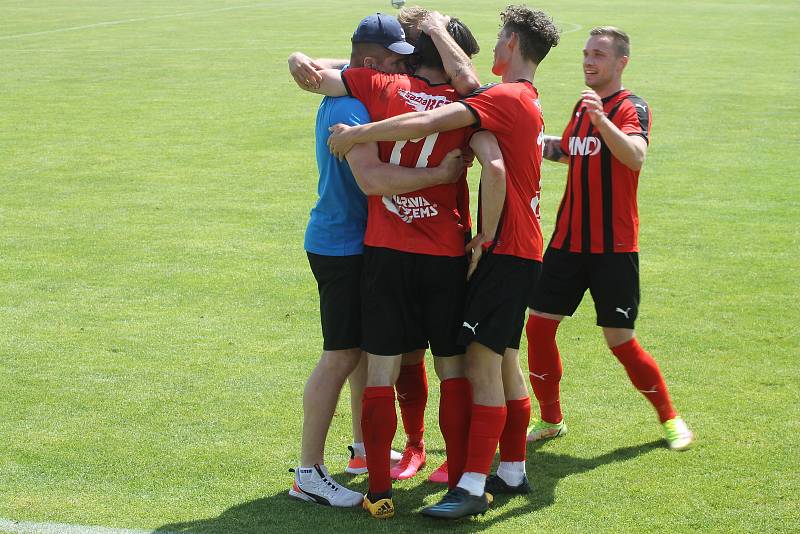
612 279
339 284
411 300
497 298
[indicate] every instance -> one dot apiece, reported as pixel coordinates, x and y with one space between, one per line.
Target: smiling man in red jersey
595 241
506 254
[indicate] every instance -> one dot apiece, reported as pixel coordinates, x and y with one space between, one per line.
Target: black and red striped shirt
598 212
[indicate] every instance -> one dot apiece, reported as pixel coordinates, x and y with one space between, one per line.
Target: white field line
574 28
128 21
29 527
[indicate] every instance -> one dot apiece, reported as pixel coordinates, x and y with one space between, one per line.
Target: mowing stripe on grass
29 527
128 21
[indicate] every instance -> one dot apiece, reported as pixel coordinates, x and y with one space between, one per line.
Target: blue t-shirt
339 219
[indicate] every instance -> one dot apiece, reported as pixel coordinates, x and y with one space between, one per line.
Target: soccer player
595 241
334 243
506 254
415 265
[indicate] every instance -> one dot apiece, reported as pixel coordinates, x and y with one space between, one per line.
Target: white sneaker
357 465
314 484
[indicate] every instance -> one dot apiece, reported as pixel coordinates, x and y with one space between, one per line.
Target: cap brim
401 47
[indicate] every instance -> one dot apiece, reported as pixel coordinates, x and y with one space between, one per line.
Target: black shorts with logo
612 279
497 299
339 284
410 300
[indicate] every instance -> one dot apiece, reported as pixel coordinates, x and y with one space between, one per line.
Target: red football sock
544 364
412 395
643 371
454 413
379 423
485 426
512 440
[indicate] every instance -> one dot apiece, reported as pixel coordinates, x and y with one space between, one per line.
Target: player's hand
452 167
339 142
594 107
304 71
434 21
469 156
475 249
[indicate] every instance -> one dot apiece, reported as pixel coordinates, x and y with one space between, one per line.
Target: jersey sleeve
495 109
368 86
635 118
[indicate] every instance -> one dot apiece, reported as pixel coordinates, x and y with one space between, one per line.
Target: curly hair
537 32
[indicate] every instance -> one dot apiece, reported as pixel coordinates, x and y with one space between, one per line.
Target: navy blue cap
384 30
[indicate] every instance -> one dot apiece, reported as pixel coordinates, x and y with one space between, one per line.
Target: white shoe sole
356 470
547 434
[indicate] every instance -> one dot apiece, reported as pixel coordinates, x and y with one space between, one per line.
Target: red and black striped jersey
598 212
511 111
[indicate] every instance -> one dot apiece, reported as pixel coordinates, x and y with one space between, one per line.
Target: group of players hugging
399 271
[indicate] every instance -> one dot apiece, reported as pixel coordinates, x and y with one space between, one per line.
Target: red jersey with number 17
430 221
511 111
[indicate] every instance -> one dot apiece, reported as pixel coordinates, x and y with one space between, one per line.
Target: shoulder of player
347 110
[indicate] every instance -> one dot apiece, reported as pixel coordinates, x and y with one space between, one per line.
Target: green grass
158 318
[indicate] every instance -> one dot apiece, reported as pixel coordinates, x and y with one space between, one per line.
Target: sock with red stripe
512 440
643 371
454 413
412 395
485 426
544 363
378 423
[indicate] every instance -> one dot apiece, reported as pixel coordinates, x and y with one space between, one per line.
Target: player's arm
552 149
457 64
493 193
330 84
414 125
631 150
304 70
375 177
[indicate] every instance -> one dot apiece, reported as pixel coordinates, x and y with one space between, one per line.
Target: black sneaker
496 485
457 503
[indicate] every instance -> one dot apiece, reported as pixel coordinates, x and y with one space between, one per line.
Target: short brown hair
536 31
622 43
360 51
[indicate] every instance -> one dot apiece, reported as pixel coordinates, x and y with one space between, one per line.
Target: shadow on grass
279 513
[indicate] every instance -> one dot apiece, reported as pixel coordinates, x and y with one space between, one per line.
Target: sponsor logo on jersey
410 208
422 101
584 146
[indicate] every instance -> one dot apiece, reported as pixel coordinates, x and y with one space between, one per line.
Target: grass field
158 318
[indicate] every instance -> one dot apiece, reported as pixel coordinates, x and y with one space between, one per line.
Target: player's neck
519 69
432 75
608 89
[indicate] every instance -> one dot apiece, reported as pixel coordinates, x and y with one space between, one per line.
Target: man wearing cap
334 244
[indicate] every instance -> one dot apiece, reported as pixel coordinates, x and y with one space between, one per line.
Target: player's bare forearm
552 149
375 177
457 64
493 181
330 84
631 150
330 63
414 125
